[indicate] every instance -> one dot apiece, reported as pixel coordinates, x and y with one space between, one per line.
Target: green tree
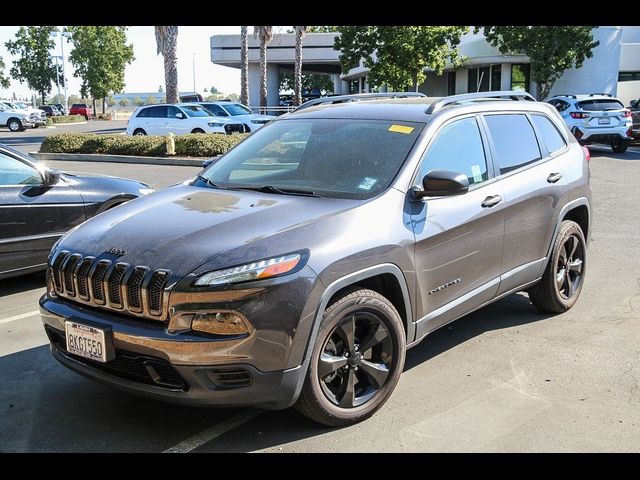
265 34
110 101
322 81
151 100
124 101
137 101
57 98
398 55
551 49
34 64
167 41
5 82
244 65
234 97
100 55
214 90
322 29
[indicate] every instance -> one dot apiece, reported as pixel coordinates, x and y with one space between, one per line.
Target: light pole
194 73
57 73
63 35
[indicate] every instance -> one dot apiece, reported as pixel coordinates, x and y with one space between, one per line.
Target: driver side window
14 172
458 148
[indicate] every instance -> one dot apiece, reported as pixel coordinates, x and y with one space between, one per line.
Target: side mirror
50 177
180 115
442 183
633 104
208 162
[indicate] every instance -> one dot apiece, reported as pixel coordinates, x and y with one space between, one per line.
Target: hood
183 227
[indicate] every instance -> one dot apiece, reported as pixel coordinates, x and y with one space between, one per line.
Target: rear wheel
619 146
356 362
139 132
197 130
562 280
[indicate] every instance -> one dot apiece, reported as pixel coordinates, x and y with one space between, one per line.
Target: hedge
65 119
191 145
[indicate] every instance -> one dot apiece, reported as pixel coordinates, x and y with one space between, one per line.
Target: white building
614 67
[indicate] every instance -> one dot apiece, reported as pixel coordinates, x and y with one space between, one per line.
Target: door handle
491 201
554 177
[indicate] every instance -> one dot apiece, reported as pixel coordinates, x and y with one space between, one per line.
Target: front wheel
562 280
14 125
356 362
139 132
619 146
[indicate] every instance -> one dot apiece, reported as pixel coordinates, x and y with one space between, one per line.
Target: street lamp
63 35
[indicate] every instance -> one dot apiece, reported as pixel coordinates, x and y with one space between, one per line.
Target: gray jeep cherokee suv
298 268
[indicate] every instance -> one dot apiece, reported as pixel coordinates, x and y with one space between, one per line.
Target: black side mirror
442 183
50 177
207 162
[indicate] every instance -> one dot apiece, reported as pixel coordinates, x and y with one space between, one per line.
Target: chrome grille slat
135 290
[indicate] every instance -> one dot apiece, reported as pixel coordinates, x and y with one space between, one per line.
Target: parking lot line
19 317
211 433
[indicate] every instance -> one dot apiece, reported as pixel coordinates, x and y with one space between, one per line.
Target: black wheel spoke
374 337
329 364
377 373
347 400
348 328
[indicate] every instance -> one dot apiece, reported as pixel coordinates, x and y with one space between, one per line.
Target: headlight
215 124
267 268
145 191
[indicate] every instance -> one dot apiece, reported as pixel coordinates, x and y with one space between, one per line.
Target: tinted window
458 147
155 112
237 109
549 133
343 158
560 105
195 111
79 105
14 172
599 105
215 110
514 141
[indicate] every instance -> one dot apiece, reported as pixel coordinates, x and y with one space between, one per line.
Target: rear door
32 216
458 238
157 121
534 186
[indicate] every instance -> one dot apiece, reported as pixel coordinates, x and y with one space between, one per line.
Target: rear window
600 105
514 141
79 105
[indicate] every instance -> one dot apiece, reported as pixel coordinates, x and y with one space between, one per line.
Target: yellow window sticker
400 129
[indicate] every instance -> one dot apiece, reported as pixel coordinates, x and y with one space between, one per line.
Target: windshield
600 105
195 111
236 109
340 158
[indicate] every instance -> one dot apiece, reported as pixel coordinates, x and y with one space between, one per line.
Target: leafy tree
244 65
167 41
110 101
100 55
322 29
5 82
234 97
265 34
124 101
57 98
151 100
551 49
34 65
214 90
137 101
322 81
398 55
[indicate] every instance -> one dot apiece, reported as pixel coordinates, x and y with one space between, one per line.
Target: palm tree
297 69
244 65
265 34
167 40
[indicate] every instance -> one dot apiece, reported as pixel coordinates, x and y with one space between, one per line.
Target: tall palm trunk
167 40
297 69
265 34
244 65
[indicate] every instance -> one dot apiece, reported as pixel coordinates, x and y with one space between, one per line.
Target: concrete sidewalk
91 157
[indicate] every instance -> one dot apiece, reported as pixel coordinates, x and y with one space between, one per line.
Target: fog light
220 323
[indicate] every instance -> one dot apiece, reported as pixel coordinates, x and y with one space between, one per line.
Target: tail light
627 113
579 115
587 154
630 132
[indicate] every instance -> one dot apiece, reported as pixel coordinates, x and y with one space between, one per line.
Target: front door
458 238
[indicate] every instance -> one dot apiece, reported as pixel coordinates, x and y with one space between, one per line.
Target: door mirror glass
180 115
443 183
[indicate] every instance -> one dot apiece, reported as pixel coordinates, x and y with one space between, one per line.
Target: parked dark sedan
39 204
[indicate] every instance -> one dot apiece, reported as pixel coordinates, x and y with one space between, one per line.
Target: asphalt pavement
505 378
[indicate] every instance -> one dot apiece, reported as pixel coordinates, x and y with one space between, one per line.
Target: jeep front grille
135 290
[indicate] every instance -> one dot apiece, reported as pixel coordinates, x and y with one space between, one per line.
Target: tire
139 132
619 146
36 126
560 287
86 118
372 372
15 125
197 130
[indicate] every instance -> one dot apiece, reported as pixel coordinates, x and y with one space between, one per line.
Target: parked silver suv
299 267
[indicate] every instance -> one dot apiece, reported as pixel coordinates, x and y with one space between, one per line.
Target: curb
92 157
65 124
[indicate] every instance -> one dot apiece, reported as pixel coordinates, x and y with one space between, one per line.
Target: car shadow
23 283
51 409
600 152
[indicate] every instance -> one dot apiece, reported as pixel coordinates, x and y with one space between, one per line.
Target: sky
146 73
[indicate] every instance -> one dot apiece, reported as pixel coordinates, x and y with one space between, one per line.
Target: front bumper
147 362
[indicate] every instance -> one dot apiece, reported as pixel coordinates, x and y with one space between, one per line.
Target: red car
81 109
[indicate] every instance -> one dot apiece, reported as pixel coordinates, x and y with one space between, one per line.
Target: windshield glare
341 158
195 111
236 109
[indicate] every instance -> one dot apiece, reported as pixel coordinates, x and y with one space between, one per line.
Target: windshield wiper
283 191
207 181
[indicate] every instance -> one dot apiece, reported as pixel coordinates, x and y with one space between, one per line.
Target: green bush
104 116
65 119
191 145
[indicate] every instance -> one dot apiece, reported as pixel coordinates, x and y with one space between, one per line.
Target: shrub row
65 119
191 145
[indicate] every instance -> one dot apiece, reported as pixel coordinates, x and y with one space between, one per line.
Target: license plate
86 341
604 121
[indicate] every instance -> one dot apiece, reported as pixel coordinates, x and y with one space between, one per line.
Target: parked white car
596 118
14 120
179 119
237 111
37 117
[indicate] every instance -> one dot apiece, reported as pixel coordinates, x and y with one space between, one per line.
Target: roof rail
440 104
603 94
565 95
